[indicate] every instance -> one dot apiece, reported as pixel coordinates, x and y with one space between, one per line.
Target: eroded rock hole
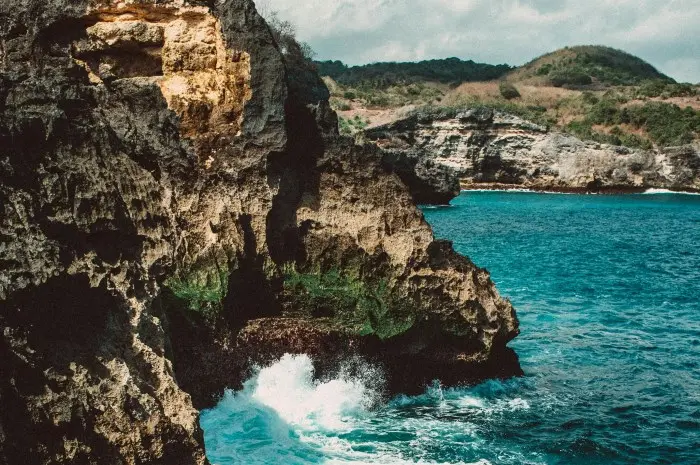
126 64
122 49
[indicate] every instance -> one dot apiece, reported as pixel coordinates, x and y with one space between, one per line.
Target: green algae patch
200 291
366 307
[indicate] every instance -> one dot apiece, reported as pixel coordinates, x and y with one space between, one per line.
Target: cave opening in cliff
65 318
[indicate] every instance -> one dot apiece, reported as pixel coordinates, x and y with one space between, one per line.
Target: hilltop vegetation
384 75
586 65
595 93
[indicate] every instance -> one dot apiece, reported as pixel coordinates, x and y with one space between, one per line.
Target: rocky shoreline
438 152
604 190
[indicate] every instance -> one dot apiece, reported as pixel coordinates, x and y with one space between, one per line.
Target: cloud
664 32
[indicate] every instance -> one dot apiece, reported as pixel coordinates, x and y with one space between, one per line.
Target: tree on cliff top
302 75
284 33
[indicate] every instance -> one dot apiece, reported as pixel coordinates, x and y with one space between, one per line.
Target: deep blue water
607 289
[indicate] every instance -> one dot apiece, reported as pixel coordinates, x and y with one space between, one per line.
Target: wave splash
284 415
288 387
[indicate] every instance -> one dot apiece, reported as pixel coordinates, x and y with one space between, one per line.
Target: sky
665 33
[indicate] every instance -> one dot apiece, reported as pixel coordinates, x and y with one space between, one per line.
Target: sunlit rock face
182 50
174 201
483 147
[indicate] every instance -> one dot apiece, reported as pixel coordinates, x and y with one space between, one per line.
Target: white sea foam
394 461
471 402
667 191
500 190
650 191
285 415
492 407
517 404
519 190
315 408
288 387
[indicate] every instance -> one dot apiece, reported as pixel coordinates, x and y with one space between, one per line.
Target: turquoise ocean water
607 289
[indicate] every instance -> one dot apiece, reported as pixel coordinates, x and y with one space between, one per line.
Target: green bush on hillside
561 78
589 98
604 111
390 97
544 69
634 141
665 89
652 88
584 130
665 123
508 90
681 90
350 126
533 113
344 127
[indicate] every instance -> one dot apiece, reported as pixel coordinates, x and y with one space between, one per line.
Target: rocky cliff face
482 147
176 203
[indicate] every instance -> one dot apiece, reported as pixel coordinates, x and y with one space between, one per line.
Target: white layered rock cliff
483 147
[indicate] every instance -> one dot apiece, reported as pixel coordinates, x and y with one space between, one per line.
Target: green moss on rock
366 307
201 290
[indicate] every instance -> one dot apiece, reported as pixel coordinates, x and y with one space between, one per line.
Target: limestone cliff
176 203
483 147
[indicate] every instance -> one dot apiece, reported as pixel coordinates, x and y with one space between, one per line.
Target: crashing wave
285 415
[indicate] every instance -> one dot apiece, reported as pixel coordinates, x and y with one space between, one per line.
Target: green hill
585 65
383 75
597 93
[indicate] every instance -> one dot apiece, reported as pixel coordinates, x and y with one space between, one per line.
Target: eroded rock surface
482 147
176 203
181 49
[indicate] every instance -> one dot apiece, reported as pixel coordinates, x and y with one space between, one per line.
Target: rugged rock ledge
491 149
176 203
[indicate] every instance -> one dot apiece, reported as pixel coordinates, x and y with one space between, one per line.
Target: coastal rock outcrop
176 203
488 148
429 182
